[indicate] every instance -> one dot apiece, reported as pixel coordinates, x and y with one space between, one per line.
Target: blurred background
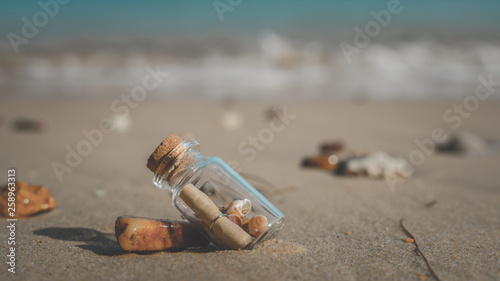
287 92
242 50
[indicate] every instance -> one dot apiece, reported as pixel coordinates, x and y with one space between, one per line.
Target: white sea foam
272 67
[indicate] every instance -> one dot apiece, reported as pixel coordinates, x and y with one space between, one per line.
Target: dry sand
337 228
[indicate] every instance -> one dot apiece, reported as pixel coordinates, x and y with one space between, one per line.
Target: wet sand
337 228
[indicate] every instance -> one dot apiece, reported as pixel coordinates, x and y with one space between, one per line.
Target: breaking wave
263 68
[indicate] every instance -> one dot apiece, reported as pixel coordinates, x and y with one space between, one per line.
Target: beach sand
337 228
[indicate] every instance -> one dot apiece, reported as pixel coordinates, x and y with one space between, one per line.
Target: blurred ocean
260 51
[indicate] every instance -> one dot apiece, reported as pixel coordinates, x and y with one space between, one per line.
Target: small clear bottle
182 164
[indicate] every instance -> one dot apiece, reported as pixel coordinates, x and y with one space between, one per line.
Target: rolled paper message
142 234
227 231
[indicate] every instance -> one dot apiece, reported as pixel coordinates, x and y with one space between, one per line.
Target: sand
337 228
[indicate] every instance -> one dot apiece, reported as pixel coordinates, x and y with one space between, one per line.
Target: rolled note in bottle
203 186
232 234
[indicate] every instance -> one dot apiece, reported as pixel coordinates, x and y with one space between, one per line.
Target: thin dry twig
417 249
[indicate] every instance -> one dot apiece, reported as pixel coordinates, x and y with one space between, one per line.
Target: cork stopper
161 151
171 159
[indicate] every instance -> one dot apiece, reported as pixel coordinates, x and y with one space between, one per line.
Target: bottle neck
179 163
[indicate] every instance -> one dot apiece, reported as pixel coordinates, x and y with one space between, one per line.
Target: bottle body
223 185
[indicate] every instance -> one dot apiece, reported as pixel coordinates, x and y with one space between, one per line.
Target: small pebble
232 120
465 143
325 162
100 193
30 200
274 113
331 147
27 125
138 234
121 122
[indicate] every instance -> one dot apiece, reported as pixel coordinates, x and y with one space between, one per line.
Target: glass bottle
183 164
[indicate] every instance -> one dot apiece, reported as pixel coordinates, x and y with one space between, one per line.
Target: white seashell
378 165
239 207
236 219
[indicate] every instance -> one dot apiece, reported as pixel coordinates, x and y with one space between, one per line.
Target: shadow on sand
100 243
103 244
